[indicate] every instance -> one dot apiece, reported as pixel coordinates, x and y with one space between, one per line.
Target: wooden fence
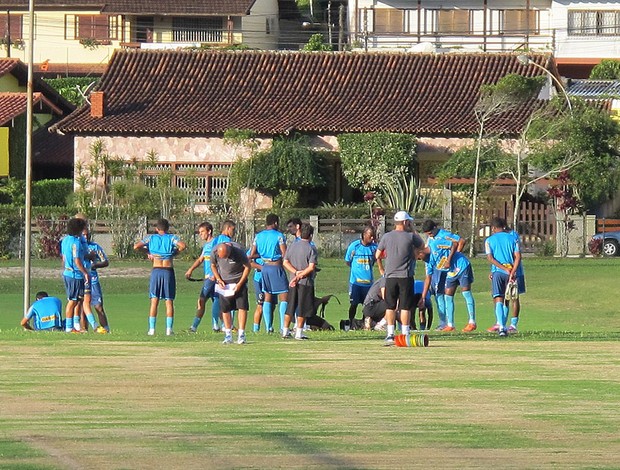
607 225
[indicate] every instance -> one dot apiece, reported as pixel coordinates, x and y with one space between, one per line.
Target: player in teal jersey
161 248
205 232
360 257
75 274
93 295
45 313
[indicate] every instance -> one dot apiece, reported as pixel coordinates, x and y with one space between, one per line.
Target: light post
526 60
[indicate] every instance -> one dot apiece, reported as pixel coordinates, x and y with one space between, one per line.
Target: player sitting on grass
45 312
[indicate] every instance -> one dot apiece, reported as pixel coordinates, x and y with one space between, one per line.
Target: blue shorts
499 281
274 279
258 292
438 282
463 278
208 289
163 284
357 293
96 295
74 288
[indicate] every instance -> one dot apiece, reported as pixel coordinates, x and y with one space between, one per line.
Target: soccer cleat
493 329
389 340
301 338
77 332
287 336
503 332
151 332
512 330
440 327
469 327
447 328
217 330
191 329
101 330
241 339
169 332
227 340
270 331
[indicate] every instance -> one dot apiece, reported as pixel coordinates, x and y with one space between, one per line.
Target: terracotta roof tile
143 7
181 92
14 104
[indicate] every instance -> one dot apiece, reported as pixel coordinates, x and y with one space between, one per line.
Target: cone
419 340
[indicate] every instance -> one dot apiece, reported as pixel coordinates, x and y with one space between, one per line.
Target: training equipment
512 291
411 341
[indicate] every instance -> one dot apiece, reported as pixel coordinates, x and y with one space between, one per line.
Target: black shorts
399 292
376 311
301 301
239 301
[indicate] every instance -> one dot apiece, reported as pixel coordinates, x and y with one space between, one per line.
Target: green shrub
10 228
51 192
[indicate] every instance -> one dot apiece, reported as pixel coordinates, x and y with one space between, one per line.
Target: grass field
545 398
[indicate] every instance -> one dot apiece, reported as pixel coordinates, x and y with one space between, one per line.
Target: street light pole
29 119
526 60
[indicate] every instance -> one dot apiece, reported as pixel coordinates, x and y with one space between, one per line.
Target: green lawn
546 398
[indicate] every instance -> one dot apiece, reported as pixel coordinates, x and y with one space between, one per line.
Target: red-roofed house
180 103
52 156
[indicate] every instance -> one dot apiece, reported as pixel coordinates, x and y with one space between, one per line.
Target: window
453 22
208 182
100 27
594 23
520 22
388 20
11 26
199 29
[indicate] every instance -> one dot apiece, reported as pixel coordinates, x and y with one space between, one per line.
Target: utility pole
341 28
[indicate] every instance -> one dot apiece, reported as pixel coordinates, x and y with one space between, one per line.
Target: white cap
401 216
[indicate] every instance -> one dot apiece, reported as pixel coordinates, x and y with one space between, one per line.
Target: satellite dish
86 91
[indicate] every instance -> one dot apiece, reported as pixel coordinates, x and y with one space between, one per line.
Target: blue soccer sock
196 322
255 327
504 314
69 324
283 307
169 322
152 321
449 301
91 320
215 313
441 307
268 315
499 314
514 321
471 305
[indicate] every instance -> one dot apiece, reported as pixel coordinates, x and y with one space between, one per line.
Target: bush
51 192
10 228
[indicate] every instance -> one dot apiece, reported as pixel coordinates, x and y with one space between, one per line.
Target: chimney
96 104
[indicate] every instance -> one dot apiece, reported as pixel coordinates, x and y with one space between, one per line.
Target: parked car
610 243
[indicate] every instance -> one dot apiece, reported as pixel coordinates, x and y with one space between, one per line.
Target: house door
144 28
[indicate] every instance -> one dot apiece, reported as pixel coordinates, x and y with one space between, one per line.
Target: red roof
15 104
143 7
185 92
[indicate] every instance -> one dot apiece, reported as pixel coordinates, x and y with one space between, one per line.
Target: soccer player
231 269
520 274
460 274
161 247
443 245
270 246
45 312
360 257
400 248
205 232
300 260
93 295
75 273
504 254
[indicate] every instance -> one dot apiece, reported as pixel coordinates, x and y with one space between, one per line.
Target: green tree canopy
607 69
372 159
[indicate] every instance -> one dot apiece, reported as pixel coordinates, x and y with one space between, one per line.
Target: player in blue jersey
161 248
443 245
520 274
360 257
504 254
93 295
45 313
460 274
205 232
75 274
270 246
